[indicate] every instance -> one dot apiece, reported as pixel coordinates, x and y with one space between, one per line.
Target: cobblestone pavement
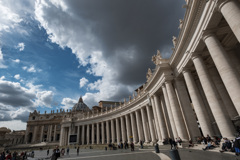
143 154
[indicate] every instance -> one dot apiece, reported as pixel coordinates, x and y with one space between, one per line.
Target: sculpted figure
180 23
157 58
149 74
174 40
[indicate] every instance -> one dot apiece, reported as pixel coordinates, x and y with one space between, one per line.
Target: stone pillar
98 134
123 128
144 122
88 134
35 130
26 135
134 128
156 121
55 133
108 132
113 131
161 120
166 117
83 134
232 112
69 133
129 131
176 111
198 104
93 133
103 133
61 136
187 109
150 121
170 114
78 134
230 9
50 133
139 126
41 134
227 71
234 59
218 109
118 130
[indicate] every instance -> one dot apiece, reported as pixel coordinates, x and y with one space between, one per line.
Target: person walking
141 143
132 146
68 151
47 152
171 142
78 151
57 150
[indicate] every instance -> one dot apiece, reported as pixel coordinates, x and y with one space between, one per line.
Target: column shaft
93 133
134 128
108 132
123 128
118 130
78 134
218 109
139 126
150 121
129 131
113 131
103 133
227 71
83 134
98 134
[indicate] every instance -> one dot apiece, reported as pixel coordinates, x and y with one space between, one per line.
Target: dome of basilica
80 106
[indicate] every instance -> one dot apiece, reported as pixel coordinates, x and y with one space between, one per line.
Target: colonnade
201 100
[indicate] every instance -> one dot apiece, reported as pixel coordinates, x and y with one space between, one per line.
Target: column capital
208 33
195 55
186 70
221 3
168 82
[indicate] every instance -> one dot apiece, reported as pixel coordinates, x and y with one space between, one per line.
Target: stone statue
174 40
157 58
149 74
180 24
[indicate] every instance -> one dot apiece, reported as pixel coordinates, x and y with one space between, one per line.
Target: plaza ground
140 154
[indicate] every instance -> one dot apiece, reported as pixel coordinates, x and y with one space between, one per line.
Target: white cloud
68 103
20 46
8 18
1 60
31 69
83 82
17 76
44 98
14 124
2 78
16 60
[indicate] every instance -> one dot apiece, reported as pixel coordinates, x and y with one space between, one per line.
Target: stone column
139 126
108 132
234 59
88 134
231 12
161 120
218 109
187 109
103 133
69 133
83 134
227 71
98 134
170 114
78 134
150 121
118 130
176 111
35 130
113 131
41 134
144 122
26 135
93 133
134 128
55 132
50 133
223 92
156 121
61 136
123 128
166 117
198 104
129 131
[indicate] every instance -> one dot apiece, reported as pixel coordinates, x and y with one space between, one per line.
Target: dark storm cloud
122 24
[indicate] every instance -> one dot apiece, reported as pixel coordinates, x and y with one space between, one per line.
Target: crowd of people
15 155
126 145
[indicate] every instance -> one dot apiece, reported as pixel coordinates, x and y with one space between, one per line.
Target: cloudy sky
54 51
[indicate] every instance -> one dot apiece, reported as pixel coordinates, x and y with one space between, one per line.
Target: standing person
125 144
141 143
171 142
57 152
78 150
54 156
9 156
237 146
132 146
47 152
68 151
62 151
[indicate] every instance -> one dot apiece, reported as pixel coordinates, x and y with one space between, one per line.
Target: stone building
10 138
195 92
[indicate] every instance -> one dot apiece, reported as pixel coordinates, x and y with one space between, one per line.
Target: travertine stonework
193 93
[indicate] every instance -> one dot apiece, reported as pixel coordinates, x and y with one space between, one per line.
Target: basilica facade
193 93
